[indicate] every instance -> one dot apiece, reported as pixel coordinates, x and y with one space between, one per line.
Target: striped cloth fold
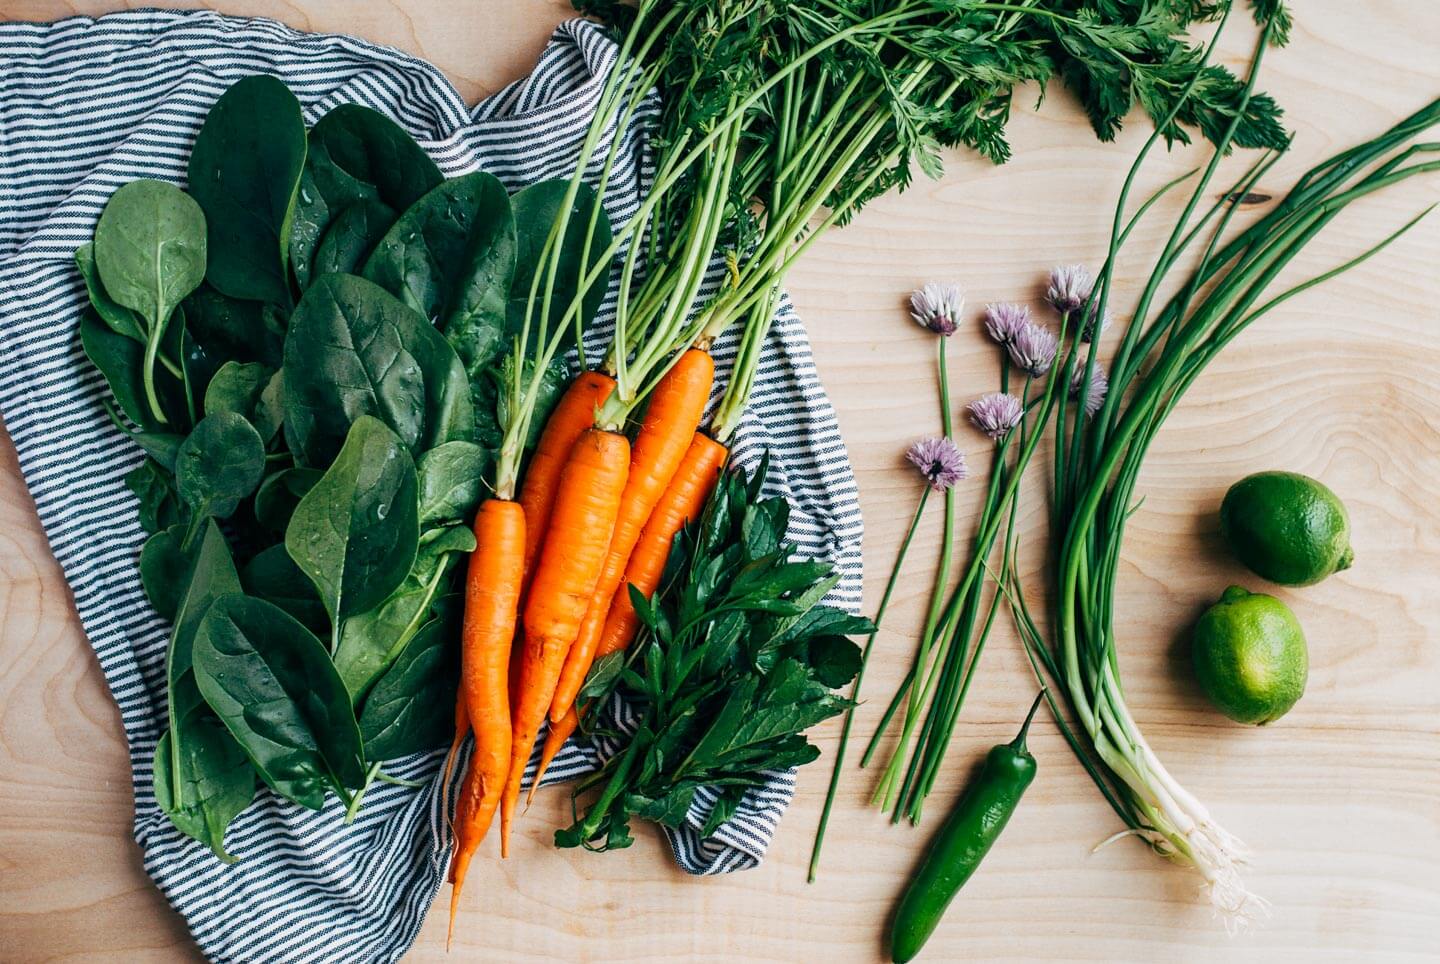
88 104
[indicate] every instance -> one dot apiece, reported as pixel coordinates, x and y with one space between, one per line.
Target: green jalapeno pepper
963 842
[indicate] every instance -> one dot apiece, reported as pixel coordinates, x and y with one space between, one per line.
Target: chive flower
1088 331
939 460
996 414
1095 394
1069 287
938 307
1033 349
1004 321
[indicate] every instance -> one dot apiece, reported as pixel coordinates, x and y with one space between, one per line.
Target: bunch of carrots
547 591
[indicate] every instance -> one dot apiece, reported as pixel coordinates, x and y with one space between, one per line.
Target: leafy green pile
736 659
308 345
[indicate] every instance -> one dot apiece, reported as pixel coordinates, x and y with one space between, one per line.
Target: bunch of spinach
306 343
736 659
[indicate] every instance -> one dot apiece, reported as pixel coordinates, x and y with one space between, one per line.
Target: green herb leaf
273 576
536 209
351 237
154 488
372 640
245 174
452 480
219 463
355 532
412 707
356 155
150 250
707 716
120 319
202 777
354 350
272 684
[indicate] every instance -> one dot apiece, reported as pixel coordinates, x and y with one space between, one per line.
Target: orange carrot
555 738
674 410
462 730
682 502
572 555
492 598
573 414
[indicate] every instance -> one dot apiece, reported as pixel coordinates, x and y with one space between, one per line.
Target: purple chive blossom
939 460
1069 287
937 307
1004 321
1033 349
1087 333
996 414
1099 385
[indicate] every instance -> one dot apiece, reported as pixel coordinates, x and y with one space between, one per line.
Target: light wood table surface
1340 800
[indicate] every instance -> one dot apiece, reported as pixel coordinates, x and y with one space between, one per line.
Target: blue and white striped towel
88 104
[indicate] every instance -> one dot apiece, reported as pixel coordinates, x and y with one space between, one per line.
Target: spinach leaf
273 576
370 147
120 319
412 707
212 575
451 479
485 396
351 237
122 362
272 684
245 173
166 562
451 257
536 208
371 640
233 330
354 350
150 251
270 409
356 154
202 777
355 532
237 387
216 782
218 464
154 488
553 383
280 493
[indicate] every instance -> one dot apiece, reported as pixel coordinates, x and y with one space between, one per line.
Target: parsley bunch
737 658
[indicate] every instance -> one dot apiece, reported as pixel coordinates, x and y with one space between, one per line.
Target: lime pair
1249 650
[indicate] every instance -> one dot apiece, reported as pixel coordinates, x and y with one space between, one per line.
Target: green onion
1160 355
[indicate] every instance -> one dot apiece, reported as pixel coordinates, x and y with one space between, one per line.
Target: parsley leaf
737 658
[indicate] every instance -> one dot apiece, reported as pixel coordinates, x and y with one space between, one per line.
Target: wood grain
1341 800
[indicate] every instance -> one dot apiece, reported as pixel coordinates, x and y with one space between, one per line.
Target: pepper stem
1019 742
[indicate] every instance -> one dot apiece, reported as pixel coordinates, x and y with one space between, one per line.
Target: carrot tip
454 906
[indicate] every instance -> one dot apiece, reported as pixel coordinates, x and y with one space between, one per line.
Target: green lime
1250 656
1287 527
